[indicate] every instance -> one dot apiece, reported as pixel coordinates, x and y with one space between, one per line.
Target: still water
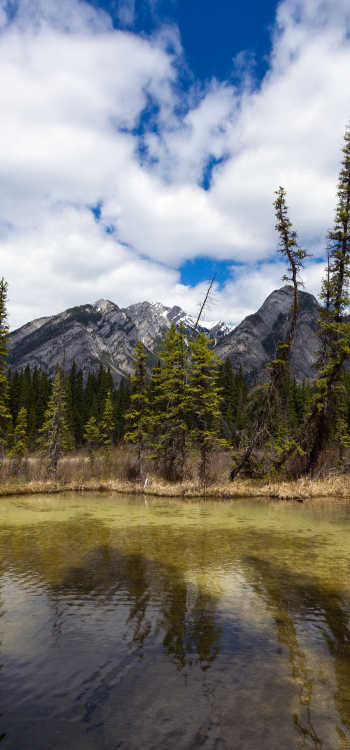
163 625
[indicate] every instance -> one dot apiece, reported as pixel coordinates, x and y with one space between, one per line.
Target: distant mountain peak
104 332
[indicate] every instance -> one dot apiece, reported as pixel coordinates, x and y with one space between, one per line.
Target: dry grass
119 473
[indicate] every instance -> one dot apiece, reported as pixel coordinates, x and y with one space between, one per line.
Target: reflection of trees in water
57 609
292 597
146 569
273 586
190 633
337 635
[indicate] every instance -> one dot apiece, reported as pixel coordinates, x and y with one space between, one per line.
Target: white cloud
73 90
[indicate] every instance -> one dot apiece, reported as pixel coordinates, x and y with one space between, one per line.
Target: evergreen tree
56 436
294 255
138 418
92 437
5 414
107 423
171 415
334 327
20 439
334 333
203 397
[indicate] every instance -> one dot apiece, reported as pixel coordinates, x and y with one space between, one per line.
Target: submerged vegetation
193 416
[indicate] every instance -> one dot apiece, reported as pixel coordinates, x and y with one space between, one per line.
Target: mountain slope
253 343
101 332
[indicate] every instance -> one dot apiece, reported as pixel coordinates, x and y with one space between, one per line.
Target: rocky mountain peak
254 342
104 332
103 305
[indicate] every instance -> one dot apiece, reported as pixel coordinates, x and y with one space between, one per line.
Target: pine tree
334 327
138 418
5 414
334 331
56 436
107 423
20 439
92 437
294 255
170 418
203 396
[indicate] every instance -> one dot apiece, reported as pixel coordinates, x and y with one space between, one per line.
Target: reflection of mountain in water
146 567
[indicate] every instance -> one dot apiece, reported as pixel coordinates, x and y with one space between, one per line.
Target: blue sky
141 144
212 33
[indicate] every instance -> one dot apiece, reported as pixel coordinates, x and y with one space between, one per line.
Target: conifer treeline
168 417
32 390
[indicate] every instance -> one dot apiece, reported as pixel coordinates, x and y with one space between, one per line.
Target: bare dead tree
208 299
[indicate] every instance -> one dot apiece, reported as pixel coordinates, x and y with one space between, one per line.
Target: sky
142 142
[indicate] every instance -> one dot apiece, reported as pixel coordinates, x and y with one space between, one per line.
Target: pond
158 624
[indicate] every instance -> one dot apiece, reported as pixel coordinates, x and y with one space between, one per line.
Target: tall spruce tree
334 333
20 439
203 395
171 402
92 437
107 423
334 329
294 255
138 418
55 433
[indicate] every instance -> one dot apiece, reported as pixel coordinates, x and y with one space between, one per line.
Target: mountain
104 332
253 343
101 332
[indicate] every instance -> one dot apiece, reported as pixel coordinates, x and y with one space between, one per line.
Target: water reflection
296 599
181 611
187 615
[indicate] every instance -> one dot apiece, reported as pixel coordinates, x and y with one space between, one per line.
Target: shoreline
284 490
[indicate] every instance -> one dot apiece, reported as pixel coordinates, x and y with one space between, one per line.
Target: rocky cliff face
103 332
254 342
96 333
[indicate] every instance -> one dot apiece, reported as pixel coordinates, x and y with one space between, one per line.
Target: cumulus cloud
103 154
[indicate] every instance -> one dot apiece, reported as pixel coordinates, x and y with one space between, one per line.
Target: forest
191 404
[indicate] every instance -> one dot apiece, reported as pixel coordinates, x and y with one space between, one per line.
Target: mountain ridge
98 332
103 332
